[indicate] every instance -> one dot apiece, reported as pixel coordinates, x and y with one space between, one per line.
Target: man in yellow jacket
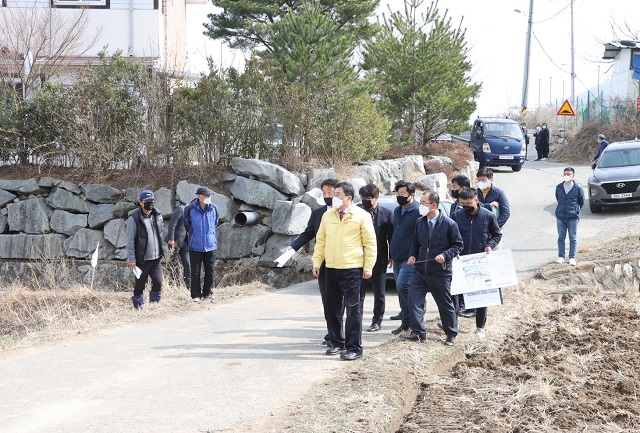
346 242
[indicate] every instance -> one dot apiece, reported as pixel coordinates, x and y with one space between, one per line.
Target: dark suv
616 179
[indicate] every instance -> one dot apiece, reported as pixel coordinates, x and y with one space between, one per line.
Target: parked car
390 202
616 178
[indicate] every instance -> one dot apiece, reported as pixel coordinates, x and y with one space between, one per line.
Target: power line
546 54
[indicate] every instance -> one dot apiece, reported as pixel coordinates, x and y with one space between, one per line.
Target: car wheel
595 208
516 168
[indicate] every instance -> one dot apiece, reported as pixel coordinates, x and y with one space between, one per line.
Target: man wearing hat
144 248
200 218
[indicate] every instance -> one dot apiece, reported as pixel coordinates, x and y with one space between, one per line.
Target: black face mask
328 201
367 204
469 209
148 205
455 193
402 200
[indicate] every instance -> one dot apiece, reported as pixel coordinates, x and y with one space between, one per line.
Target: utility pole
573 61
527 52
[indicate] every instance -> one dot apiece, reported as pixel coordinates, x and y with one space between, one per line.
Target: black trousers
481 317
150 269
322 284
378 282
440 288
343 294
200 260
181 254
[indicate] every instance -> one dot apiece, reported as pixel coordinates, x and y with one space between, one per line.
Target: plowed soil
573 369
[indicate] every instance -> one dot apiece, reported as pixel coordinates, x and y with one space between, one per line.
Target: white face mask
483 185
424 210
544 126
566 178
337 202
207 200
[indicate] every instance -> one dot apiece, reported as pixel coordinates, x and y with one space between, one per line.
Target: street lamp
527 52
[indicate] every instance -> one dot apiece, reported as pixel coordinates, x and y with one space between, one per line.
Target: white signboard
482 271
483 298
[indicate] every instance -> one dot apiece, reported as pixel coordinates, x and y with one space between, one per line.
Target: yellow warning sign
566 109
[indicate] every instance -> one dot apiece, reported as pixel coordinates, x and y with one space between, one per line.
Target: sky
496 36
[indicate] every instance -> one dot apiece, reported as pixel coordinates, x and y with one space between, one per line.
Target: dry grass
29 317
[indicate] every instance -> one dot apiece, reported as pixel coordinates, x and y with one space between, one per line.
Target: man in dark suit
436 241
310 232
383 225
177 240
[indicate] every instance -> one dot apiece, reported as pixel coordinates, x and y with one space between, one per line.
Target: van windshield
502 130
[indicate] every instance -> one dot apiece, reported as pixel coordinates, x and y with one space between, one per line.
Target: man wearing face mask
458 183
436 241
144 248
544 142
570 198
404 224
327 186
536 137
480 233
346 243
491 196
383 224
200 219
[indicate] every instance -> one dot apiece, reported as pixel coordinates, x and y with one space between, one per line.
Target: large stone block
3 223
66 222
99 214
164 201
83 244
274 244
290 218
316 176
69 186
313 198
100 193
356 183
29 216
377 172
433 182
23 187
254 192
186 191
6 197
235 242
276 176
23 246
115 232
65 200
122 208
226 206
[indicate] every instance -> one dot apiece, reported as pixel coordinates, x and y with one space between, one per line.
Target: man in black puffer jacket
480 233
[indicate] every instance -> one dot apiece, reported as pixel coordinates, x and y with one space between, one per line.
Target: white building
32 32
626 68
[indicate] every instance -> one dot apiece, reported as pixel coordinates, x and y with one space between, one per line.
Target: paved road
238 362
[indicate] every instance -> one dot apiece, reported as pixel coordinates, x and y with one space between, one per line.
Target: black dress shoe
399 330
450 341
326 342
467 313
333 350
374 327
414 336
396 317
350 356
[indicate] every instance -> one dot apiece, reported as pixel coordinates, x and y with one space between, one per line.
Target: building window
90 4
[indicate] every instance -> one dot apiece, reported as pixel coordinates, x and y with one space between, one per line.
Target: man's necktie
341 214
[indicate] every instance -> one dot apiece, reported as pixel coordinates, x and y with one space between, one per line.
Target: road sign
638 104
566 109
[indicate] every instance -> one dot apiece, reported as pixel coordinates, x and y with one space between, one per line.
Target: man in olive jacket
346 242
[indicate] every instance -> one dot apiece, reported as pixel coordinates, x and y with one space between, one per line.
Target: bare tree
37 43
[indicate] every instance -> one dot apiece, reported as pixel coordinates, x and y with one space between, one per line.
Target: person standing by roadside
602 145
383 224
536 140
404 224
179 245
570 198
480 233
346 243
525 136
327 186
144 248
436 241
458 183
200 219
544 142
